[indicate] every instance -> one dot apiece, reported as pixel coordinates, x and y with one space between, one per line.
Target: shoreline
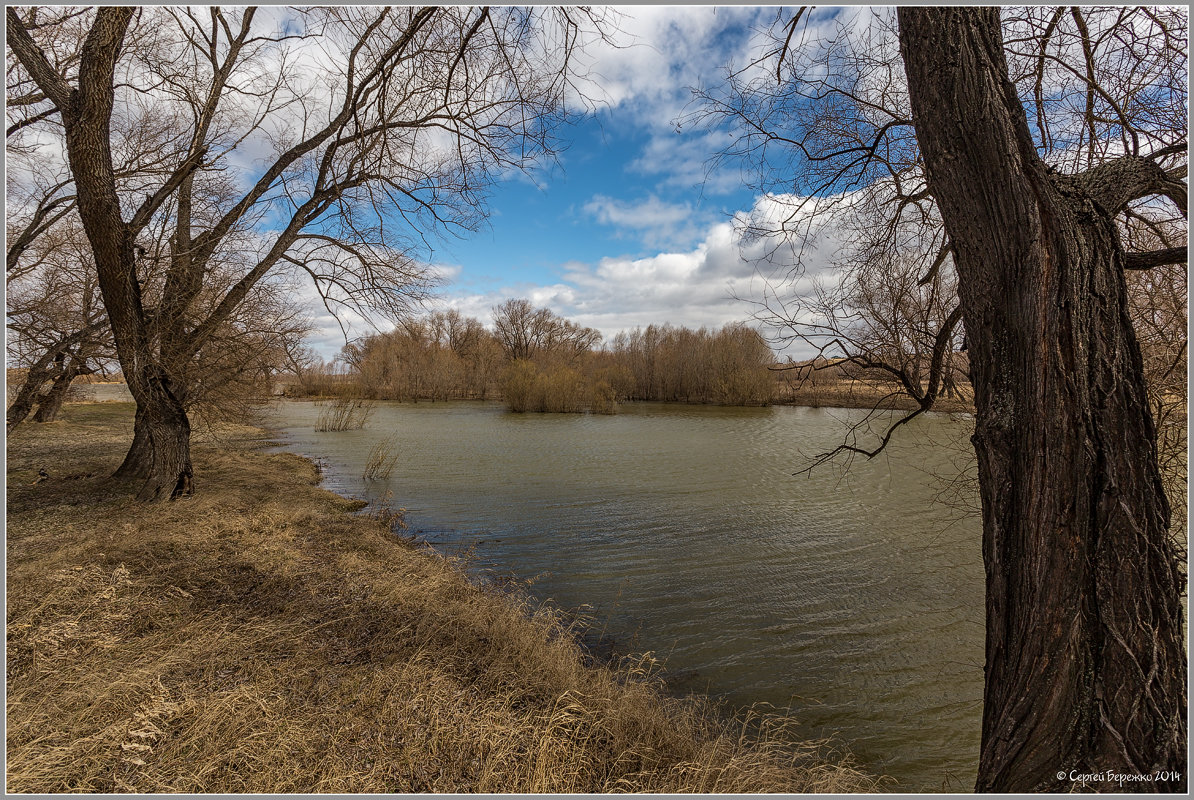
261 637
819 397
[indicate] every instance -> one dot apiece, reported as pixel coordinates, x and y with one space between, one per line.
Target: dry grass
847 393
259 638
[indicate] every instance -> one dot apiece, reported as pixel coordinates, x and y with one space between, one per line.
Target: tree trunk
50 403
46 368
1085 665
166 461
86 113
27 395
139 457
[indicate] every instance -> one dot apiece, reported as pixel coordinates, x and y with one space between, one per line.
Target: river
854 597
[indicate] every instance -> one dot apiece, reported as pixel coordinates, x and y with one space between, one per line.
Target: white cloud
645 78
657 223
718 281
681 160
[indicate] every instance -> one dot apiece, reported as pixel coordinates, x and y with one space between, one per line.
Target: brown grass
259 638
847 393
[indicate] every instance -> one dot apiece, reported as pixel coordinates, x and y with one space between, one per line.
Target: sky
629 227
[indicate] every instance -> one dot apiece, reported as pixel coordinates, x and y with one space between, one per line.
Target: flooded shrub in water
562 390
381 461
602 398
557 389
520 385
343 414
743 386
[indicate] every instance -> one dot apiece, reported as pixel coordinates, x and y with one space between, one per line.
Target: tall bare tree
1029 147
527 332
1084 622
370 127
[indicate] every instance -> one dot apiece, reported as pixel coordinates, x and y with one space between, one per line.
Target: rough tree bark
86 112
1085 665
140 453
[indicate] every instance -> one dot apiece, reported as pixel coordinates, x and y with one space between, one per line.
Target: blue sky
604 199
626 229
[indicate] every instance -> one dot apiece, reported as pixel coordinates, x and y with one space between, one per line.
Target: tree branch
1156 258
1118 182
34 60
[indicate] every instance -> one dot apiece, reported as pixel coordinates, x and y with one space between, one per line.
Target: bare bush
382 459
344 414
727 366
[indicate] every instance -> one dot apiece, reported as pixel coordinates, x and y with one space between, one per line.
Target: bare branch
1156 258
53 85
1113 184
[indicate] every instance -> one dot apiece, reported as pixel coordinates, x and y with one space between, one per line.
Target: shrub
381 461
561 390
602 398
520 386
343 414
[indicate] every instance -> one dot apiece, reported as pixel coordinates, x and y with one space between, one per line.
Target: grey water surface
854 597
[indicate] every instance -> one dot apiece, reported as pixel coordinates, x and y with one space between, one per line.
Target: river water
854 597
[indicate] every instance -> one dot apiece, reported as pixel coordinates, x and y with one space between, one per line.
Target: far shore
833 395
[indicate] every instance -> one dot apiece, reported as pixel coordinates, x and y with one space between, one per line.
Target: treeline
727 366
536 360
442 356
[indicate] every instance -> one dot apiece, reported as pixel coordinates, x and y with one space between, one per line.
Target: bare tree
1027 147
517 326
56 322
527 332
1157 302
378 124
1083 589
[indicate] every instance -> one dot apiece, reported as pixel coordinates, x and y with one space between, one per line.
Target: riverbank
847 393
260 638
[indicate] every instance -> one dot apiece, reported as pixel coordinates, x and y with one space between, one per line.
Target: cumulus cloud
645 79
656 54
725 277
722 279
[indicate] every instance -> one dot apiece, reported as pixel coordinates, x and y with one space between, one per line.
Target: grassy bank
260 638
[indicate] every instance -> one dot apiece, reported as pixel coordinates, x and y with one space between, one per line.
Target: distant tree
438 356
516 326
676 364
1033 143
376 124
527 332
